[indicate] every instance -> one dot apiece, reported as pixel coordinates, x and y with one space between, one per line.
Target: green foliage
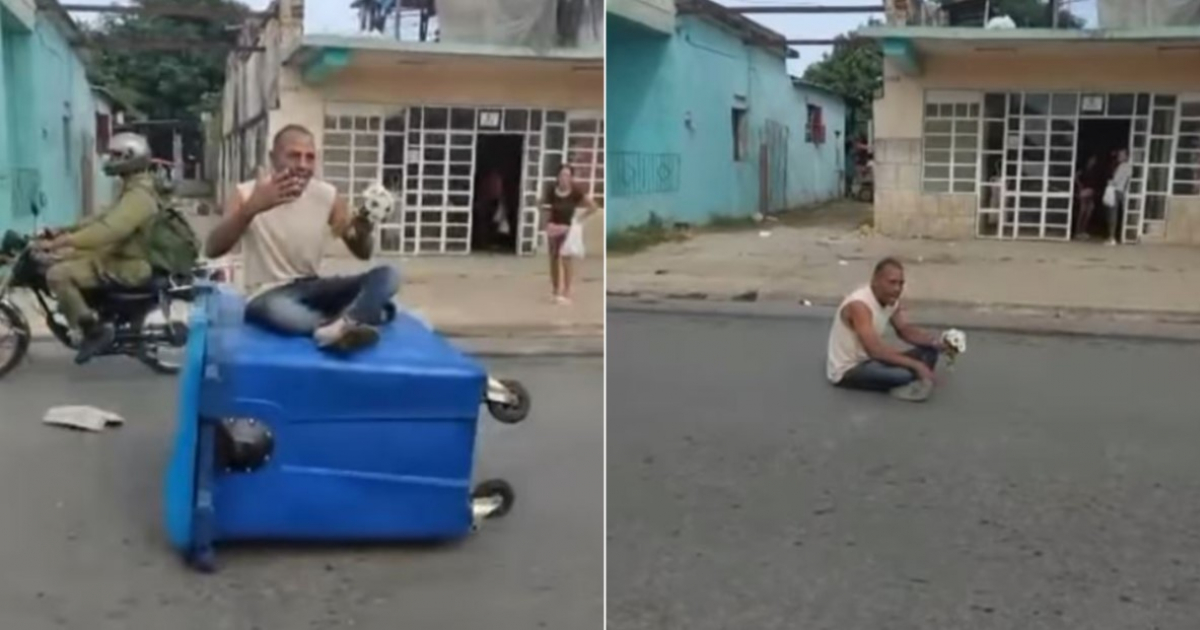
854 70
175 84
855 67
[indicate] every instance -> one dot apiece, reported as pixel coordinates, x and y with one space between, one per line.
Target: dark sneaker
97 338
916 391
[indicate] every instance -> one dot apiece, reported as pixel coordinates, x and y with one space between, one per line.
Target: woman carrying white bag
1115 193
563 223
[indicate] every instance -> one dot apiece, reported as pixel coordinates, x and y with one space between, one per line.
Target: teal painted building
704 120
48 121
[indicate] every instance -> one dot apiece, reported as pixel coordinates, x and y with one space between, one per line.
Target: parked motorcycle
131 311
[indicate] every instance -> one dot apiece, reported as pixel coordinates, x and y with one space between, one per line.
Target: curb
1086 323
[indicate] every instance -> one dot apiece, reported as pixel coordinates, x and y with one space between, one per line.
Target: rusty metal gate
772 167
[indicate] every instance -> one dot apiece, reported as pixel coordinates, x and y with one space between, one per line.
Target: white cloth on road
82 417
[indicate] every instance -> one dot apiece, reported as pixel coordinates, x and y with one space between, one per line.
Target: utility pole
1053 13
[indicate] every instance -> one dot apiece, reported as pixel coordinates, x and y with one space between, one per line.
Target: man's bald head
291 133
294 149
888 281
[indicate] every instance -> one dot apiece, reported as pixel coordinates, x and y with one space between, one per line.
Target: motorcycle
131 311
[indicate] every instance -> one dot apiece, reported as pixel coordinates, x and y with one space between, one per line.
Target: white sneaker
916 391
1111 242
345 335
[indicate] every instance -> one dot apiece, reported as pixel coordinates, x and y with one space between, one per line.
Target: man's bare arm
228 232
858 317
911 333
355 231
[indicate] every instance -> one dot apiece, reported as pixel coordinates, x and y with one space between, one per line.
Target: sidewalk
819 256
494 296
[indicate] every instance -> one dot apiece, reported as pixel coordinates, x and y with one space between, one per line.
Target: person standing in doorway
1089 180
1115 194
560 211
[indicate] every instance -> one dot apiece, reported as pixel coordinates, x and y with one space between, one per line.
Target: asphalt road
1050 484
81 543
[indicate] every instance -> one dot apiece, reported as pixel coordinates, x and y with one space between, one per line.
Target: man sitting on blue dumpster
283 220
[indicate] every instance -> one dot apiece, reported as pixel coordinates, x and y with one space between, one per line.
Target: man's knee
282 314
386 277
58 274
70 273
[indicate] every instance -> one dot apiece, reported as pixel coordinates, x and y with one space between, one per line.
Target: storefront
1021 152
981 133
434 158
448 128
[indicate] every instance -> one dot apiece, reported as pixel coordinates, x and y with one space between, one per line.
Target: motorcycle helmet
128 153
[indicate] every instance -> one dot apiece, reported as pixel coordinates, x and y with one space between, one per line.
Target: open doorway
497 201
1099 138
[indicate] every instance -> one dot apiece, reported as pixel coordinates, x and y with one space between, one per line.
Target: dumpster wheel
507 400
490 499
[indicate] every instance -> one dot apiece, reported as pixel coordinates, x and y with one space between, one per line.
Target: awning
906 46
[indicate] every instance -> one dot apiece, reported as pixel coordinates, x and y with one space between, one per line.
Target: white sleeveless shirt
845 349
287 242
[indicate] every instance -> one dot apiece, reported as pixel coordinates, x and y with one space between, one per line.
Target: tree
172 84
855 70
855 67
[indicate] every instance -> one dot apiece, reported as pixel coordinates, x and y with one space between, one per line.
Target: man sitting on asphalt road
283 221
858 356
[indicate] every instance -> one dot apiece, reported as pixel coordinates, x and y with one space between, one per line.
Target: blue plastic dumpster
277 440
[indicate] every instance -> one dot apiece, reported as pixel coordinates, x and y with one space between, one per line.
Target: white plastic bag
572 246
1110 196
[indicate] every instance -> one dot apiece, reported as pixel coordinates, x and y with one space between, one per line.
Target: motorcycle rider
108 249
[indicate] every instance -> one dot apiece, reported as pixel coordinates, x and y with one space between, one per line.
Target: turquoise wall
657 83
49 124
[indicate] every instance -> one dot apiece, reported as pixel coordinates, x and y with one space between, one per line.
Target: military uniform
108 249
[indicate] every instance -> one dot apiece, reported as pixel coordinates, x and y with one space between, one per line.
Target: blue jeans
302 306
876 376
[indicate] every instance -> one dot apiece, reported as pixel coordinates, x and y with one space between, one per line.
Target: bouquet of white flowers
955 343
377 203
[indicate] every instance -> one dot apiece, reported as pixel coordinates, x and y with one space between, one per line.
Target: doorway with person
497 200
1099 142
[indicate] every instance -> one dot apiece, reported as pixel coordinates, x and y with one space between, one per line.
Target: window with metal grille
1187 149
951 152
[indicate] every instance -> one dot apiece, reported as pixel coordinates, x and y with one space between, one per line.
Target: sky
336 16
320 16
830 26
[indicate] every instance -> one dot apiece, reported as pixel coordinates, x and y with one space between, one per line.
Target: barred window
951 138
1187 152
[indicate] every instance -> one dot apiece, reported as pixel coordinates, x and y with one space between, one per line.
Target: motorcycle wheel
12 319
